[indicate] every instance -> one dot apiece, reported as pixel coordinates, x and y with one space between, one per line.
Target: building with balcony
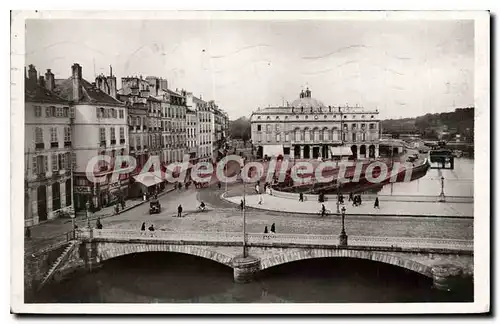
99 128
308 129
48 150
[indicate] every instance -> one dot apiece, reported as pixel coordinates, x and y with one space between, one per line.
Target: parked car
154 207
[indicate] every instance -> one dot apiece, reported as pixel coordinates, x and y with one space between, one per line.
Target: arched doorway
354 150
362 150
56 196
296 151
307 153
69 194
371 151
41 196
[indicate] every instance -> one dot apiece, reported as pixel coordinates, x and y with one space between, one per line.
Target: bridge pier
245 269
446 276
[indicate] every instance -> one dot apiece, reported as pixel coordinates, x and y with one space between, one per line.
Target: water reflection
171 278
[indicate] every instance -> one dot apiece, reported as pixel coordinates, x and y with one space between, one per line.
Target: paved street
224 216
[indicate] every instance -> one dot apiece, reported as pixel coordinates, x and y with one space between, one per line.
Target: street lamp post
441 195
244 213
343 235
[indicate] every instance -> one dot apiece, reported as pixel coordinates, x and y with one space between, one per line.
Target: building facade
308 129
99 128
48 150
191 122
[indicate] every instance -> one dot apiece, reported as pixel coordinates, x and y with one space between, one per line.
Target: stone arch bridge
440 259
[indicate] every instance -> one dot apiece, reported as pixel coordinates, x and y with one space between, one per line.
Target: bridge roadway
439 259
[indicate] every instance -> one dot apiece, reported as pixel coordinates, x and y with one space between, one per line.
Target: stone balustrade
292 239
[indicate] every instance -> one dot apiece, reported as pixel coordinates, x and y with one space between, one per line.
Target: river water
172 277
177 278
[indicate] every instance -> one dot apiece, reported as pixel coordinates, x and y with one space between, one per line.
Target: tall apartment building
48 150
176 113
99 128
203 127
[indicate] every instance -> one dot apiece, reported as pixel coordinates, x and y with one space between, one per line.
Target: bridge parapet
280 239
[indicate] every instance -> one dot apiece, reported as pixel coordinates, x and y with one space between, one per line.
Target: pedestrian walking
351 196
260 199
151 228
376 204
359 199
179 211
323 210
257 188
117 209
143 226
144 196
301 196
273 228
241 204
219 185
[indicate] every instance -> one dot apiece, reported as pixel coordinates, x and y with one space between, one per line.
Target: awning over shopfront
273 150
148 179
340 151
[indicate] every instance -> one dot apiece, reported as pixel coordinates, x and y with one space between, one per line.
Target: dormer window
268 117
258 117
372 116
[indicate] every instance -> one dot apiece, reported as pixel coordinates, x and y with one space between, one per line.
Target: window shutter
73 160
34 171
54 162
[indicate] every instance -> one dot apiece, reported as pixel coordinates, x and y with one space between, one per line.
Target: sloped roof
33 92
89 93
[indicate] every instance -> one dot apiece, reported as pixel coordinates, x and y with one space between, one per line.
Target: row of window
61 161
326 135
269 127
317 117
52 111
112 132
110 113
54 138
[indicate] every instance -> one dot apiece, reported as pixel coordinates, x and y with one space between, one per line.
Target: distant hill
435 126
240 128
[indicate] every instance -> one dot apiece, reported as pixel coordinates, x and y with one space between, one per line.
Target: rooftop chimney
32 74
49 80
76 75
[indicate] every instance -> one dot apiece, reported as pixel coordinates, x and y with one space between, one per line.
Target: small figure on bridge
143 226
359 199
351 196
273 228
179 211
151 228
241 204
301 196
376 204
98 224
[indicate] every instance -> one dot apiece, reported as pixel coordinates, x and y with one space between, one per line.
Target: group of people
356 199
273 229
151 228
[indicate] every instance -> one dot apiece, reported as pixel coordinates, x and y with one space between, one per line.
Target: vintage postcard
245 162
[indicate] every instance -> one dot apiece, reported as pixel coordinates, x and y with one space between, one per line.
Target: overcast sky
403 68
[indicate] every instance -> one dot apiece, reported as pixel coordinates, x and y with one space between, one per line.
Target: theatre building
307 129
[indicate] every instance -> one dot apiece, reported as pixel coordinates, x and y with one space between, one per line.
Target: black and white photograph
180 159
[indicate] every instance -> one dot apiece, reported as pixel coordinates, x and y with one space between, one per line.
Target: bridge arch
108 251
387 258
